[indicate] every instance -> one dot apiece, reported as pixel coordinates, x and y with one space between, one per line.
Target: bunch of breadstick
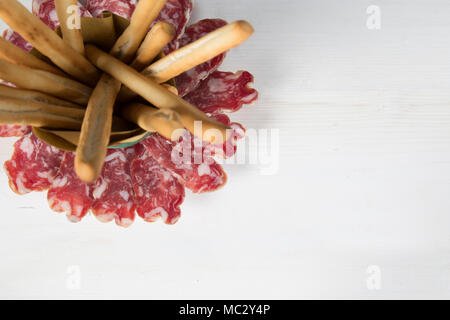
80 87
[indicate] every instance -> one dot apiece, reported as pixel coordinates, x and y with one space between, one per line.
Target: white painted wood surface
363 179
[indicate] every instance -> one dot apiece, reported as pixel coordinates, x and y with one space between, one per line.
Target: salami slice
113 191
193 167
178 13
46 11
123 8
189 80
158 194
12 130
223 91
33 166
228 149
17 40
69 194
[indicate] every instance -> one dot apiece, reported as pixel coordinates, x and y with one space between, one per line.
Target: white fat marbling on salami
158 194
177 13
123 8
188 81
187 168
113 191
33 165
69 194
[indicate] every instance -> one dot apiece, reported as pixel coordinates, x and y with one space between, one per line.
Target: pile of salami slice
141 179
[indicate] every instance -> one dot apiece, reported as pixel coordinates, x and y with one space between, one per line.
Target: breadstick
157 38
35 96
163 121
195 53
96 129
70 31
156 94
199 51
171 88
44 81
14 54
145 13
47 42
97 124
18 111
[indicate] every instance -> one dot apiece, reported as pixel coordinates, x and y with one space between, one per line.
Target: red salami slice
113 191
46 11
11 130
158 194
195 169
178 13
33 166
17 40
223 91
188 81
228 149
123 8
68 193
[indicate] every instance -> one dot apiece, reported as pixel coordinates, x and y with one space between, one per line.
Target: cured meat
68 193
17 40
46 11
187 161
113 191
12 130
228 149
223 91
178 13
33 166
158 194
189 80
123 8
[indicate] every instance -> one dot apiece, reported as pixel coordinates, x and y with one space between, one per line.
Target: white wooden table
358 208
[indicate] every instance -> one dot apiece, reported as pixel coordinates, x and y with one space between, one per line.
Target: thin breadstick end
128 43
157 38
163 121
96 129
86 171
199 51
154 93
71 34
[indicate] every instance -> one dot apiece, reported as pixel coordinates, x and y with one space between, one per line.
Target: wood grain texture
364 173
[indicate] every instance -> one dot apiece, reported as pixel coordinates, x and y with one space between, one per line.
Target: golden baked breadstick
30 95
14 54
157 38
163 121
197 52
96 129
171 88
70 31
47 42
19 111
156 94
145 13
44 81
